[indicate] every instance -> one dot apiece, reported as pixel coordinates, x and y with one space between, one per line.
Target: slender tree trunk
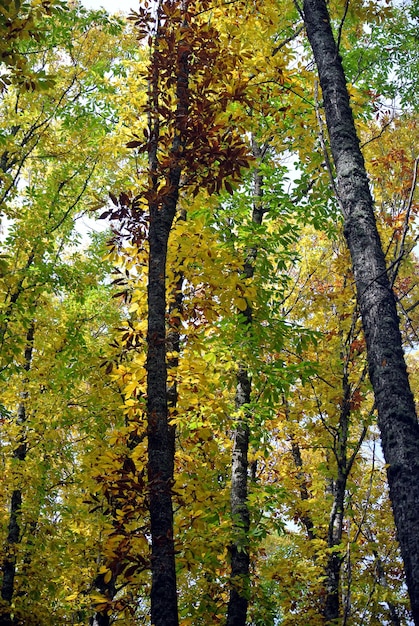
387 369
331 609
337 489
12 298
161 434
334 535
13 533
239 550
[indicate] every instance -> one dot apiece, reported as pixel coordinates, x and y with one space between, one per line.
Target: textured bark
387 369
338 489
161 435
239 550
13 532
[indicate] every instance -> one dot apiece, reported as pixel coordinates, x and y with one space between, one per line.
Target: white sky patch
86 225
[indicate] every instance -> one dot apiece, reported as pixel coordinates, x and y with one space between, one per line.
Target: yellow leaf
241 304
71 597
107 577
97 598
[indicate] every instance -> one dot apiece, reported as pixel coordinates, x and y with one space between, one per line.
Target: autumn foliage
192 137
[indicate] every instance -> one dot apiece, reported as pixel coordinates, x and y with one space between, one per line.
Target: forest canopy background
188 428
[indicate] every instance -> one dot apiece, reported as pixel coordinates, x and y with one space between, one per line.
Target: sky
112 6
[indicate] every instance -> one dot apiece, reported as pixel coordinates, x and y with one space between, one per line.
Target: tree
52 168
247 485
396 410
176 150
19 24
326 458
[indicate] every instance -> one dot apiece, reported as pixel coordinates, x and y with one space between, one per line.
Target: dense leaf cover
192 137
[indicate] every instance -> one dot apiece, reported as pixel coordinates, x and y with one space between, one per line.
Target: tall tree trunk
331 611
239 550
161 434
13 532
387 369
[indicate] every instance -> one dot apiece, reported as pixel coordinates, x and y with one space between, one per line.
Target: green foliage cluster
74 127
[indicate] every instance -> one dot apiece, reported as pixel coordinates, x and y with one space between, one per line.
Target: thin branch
315 376
412 306
287 40
406 222
369 491
357 447
409 322
330 430
68 211
287 312
341 24
299 9
224 4
383 129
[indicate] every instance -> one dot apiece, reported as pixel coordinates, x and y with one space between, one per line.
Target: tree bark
332 607
397 418
161 434
13 532
239 550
